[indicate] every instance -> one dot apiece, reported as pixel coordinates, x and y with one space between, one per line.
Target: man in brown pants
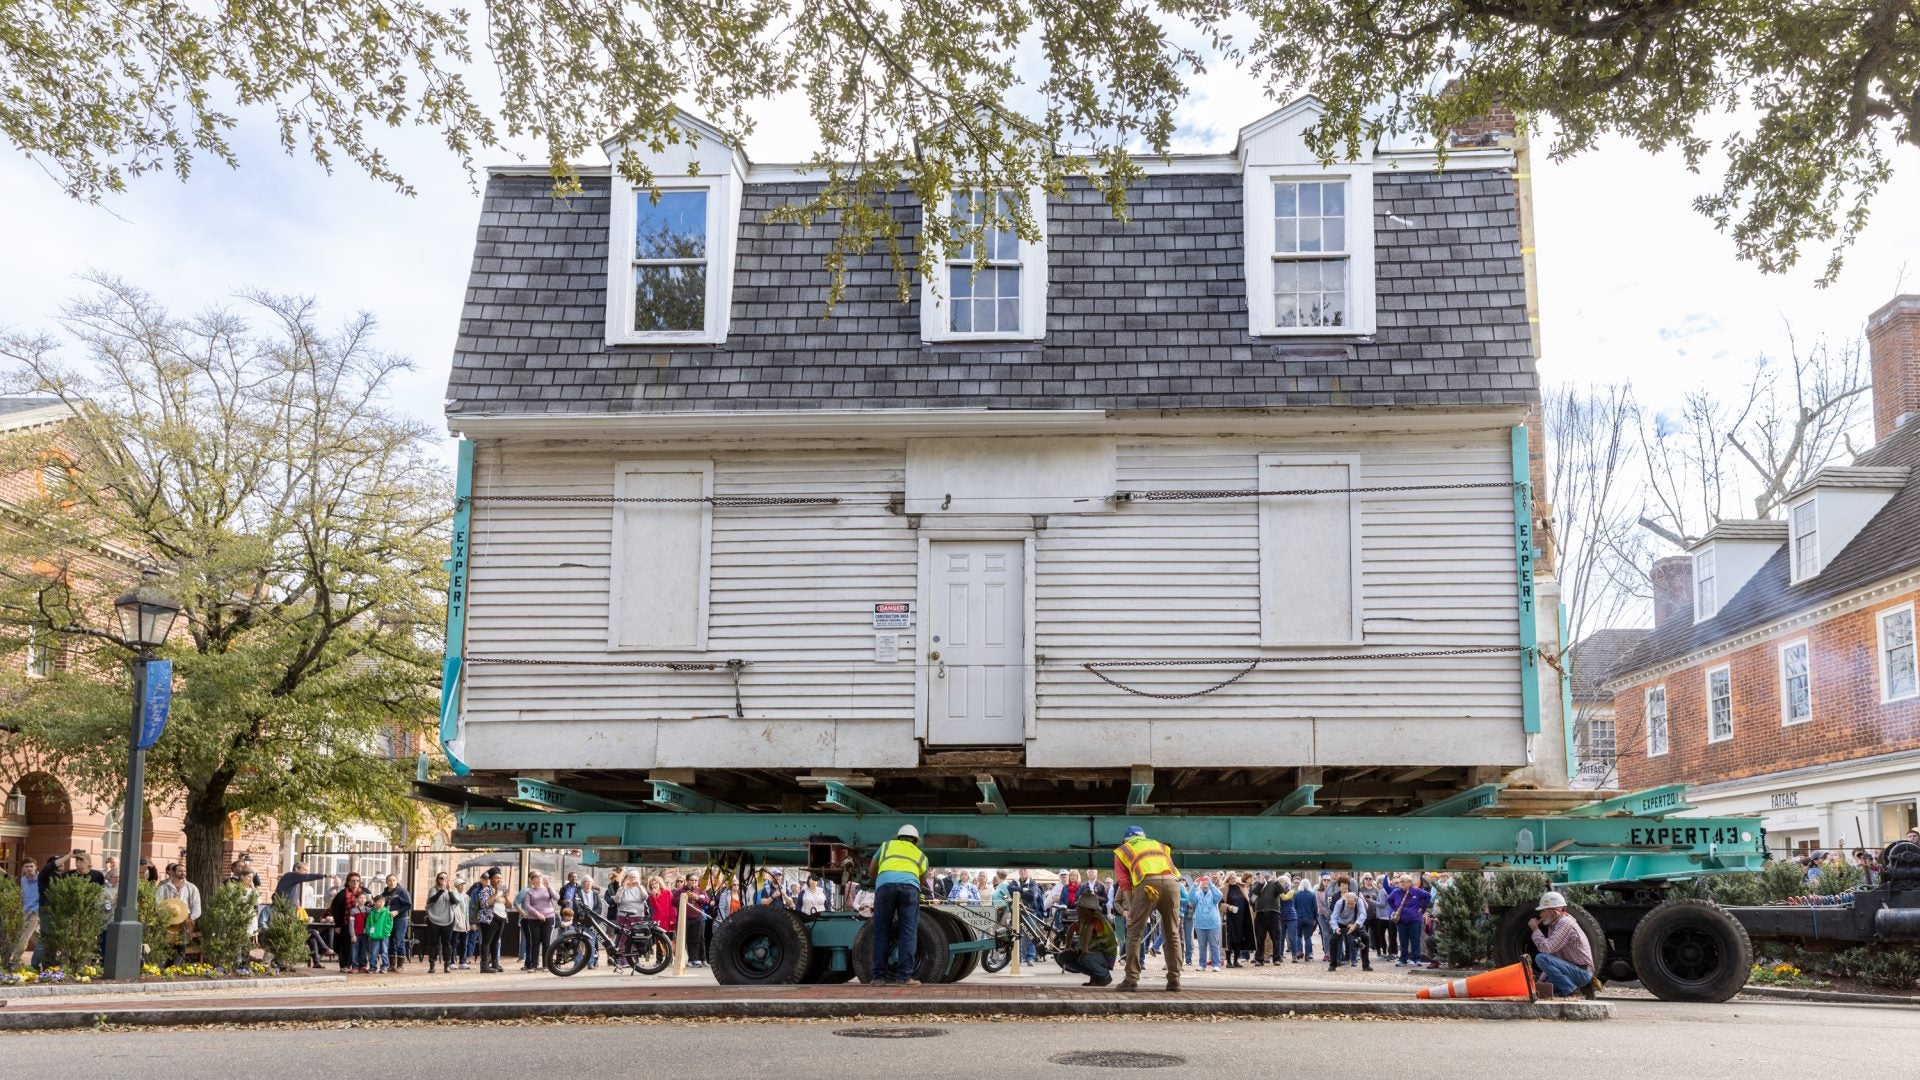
1143 870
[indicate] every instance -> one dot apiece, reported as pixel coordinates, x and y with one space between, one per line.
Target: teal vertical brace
458 563
1566 695
1523 558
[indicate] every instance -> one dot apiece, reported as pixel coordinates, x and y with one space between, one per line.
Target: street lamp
146 615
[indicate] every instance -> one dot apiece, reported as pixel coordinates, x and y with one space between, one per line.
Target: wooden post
1014 969
680 939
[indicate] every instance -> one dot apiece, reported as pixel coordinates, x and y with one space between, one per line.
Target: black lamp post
146 615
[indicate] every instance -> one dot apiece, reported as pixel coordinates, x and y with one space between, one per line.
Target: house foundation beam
1480 798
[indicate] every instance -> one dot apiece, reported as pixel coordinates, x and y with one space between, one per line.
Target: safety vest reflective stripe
1145 858
904 856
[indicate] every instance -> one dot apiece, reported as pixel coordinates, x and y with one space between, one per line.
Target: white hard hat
909 832
1551 900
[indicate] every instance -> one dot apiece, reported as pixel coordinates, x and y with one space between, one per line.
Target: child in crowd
379 935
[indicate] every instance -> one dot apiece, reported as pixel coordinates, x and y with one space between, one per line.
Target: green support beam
991 801
849 801
1298 801
1651 803
1483 797
668 795
1630 848
564 798
1524 554
1140 792
457 566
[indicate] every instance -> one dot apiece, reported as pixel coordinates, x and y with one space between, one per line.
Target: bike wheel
569 954
996 959
650 952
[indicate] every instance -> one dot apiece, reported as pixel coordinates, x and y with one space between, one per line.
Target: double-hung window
1657 722
1796 683
1899 678
993 287
1311 257
670 261
1720 704
40 659
1704 595
1805 539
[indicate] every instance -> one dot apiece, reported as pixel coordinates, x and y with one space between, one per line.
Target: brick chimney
1893 341
1672 589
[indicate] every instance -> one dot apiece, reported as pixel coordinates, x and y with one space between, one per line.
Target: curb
1835 997
736 1009
181 987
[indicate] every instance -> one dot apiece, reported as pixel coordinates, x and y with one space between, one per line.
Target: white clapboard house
1007 534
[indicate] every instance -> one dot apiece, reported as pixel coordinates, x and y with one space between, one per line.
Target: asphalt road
1646 1039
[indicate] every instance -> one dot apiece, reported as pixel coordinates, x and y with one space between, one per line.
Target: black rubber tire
1691 950
1513 942
655 953
761 946
958 930
995 960
930 951
569 953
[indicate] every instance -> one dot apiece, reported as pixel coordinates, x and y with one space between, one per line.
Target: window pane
1286 277
1285 310
1309 234
959 282
1334 200
1009 316
962 311
669 298
1333 309
1004 244
1009 283
1333 234
1310 200
1286 235
1286 200
673 228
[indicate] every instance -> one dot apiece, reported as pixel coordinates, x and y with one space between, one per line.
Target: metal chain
1093 667
1251 493
715 500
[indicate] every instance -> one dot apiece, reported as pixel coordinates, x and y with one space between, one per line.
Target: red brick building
1780 678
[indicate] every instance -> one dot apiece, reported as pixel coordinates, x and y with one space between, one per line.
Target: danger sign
892 616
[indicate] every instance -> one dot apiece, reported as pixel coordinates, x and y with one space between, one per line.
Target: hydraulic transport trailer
1681 948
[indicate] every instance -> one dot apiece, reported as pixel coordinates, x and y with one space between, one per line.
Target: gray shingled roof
1150 314
1597 654
1888 544
18 404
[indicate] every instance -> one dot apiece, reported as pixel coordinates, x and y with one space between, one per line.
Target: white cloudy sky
1634 286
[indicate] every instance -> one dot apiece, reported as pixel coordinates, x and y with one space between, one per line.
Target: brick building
1780 677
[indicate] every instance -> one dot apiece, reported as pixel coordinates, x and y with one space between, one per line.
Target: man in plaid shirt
1564 960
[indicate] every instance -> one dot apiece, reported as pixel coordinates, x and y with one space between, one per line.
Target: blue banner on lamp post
155 697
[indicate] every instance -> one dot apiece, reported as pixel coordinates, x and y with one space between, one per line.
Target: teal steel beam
1599 869
1076 841
1566 696
668 795
457 566
848 801
564 798
1140 792
991 801
1298 801
1651 803
1483 797
1523 561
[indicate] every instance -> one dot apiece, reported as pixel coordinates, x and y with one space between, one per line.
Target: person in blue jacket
1186 916
1289 920
1206 923
1306 912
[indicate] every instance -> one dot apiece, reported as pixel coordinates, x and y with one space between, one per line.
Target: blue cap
1133 831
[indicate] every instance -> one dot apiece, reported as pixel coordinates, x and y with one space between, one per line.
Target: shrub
154 932
226 925
13 922
285 936
1463 932
1511 890
73 914
1837 877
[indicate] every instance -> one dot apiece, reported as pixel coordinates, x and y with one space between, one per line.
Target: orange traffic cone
1512 981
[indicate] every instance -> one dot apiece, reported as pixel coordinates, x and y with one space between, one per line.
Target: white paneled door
974 641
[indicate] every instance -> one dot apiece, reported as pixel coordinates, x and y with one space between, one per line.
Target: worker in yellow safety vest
1143 869
899 868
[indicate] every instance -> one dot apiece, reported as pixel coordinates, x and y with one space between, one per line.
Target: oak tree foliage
250 456
934 95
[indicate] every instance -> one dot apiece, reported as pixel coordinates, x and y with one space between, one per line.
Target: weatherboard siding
792 589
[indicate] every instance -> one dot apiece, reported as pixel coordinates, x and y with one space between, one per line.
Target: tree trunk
206 827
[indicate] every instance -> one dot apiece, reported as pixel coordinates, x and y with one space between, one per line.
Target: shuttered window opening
661 555
1309 552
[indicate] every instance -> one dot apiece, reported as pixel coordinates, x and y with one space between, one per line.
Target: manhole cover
1118 1059
891 1032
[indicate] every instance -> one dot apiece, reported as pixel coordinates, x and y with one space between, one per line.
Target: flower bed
54 976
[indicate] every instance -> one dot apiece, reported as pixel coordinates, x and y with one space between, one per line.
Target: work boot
1129 983
1173 985
1103 981
910 982
1591 989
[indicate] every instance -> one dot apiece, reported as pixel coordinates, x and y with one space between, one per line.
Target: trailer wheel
1513 942
930 952
1691 950
817 969
956 930
760 946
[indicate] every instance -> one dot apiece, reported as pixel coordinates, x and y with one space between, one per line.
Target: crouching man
1094 943
1565 961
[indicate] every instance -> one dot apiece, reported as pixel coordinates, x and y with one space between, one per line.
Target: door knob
933 655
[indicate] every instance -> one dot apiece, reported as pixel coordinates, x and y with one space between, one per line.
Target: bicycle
1046 940
641 947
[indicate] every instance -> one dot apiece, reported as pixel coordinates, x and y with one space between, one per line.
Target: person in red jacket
666 908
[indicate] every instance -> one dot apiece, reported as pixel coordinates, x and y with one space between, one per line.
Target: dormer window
1804 536
994 290
1310 250
670 262
670 247
1705 603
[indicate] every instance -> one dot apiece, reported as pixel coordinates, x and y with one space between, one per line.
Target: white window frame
40 655
1666 726
1880 653
936 321
1727 671
1795 542
1787 719
1258 196
616 589
1269 574
723 213
1706 603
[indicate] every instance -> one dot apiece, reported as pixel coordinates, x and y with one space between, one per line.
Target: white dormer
1726 559
1309 231
996 295
670 255
1827 512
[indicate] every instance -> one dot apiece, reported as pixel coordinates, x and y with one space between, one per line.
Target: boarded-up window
659 587
1309 551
